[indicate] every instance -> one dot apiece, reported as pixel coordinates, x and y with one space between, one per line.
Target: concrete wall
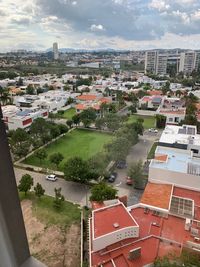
111 238
176 178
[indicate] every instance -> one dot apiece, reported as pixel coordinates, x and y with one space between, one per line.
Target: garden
79 142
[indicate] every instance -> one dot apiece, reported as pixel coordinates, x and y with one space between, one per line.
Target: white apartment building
55 51
155 62
189 61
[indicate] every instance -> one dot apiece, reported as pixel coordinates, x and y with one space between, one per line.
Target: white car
51 177
153 130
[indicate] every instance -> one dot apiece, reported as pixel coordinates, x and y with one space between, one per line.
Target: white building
155 63
189 61
55 51
175 166
15 117
182 137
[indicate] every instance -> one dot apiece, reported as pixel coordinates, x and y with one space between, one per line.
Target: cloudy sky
91 24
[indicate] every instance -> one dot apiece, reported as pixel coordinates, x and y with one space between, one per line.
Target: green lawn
83 143
43 209
149 121
69 114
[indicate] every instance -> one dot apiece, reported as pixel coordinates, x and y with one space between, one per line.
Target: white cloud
159 5
98 27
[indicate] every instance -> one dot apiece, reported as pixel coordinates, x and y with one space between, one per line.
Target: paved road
73 192
138 152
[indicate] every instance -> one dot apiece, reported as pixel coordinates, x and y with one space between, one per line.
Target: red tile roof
157 195
104 219
161 157
80 107
87 97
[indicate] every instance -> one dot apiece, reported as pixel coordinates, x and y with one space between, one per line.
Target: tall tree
59 199
88 116
136 173
39 190
25 183
56 158
102 191
76 169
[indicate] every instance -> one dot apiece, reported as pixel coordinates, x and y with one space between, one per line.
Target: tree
76 169
20 142
119 148
56 158
30 90
88 116
69 123
63 128
39 191
76 119
160 121
102 191
136 173
41 154
25 183
59 199
133 108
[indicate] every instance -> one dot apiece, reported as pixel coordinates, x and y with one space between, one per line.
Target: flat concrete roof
178 159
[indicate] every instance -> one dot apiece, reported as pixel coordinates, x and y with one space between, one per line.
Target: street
72 192
137 152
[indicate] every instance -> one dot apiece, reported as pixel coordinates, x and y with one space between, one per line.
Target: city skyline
116 24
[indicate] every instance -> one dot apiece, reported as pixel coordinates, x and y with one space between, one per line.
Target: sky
99 24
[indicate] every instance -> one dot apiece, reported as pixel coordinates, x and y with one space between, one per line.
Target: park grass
68 114
149 121
44 211
79 142
151 153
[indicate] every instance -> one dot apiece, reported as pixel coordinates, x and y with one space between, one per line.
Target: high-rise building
189 61
55 51
156 63
150 61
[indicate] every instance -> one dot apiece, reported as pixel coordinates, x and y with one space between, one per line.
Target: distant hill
72 50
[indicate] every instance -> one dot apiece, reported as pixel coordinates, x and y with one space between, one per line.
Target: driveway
137 152
73 192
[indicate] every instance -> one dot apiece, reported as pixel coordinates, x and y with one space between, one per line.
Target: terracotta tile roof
161 157
157 195
97 205
80 107
105 100
104 219
87 97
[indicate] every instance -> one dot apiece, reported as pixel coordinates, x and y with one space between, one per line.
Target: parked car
121 164
51 177
112 177
129 180
153 130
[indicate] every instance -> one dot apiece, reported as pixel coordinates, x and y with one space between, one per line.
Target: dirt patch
52 245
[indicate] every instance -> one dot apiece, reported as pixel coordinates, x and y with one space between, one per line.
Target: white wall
111 238
177 178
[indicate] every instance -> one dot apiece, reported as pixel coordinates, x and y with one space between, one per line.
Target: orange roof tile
157 195
161 157
111 215
86 97
80 106
105 100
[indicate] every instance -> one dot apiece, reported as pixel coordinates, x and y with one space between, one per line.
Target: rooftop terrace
178 160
